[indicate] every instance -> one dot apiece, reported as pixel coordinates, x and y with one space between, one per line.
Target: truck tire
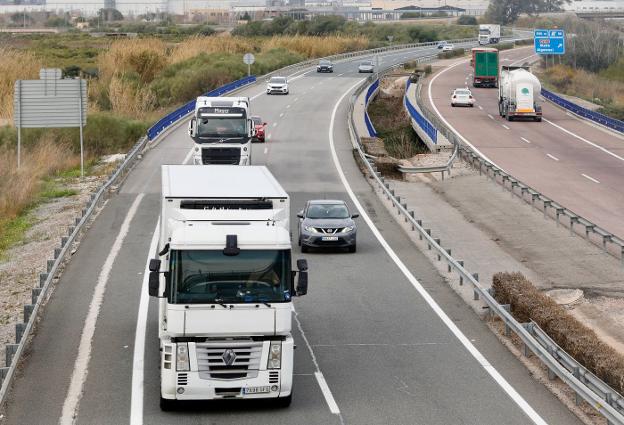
167 405
509 117
538 119
284 402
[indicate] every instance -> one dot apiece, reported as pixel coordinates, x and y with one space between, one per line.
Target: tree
507 11
246 17
110 15
466 20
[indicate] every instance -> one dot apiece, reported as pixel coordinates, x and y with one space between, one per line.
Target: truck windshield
207 277
221 127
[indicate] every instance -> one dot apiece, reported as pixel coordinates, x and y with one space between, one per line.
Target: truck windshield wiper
220 302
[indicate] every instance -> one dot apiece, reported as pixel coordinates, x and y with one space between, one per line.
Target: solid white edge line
498 378
447 123
608 152
526 140
490 116
552 157
81 364
138 358
590 178
505 127
188 156
329 398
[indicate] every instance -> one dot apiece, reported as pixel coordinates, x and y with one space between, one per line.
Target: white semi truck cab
489 33
225 285
222 130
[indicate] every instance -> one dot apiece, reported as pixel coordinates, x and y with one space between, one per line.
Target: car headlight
347 229
311 229
275 355
182 357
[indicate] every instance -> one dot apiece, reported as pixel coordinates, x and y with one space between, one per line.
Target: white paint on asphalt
266 150
287 106
138 359
522 59
187 158
274 124
483 362
480 107
281 115
81 365
329 398
490 116
505 127
608 152
528 141
296 99
590 178
552 157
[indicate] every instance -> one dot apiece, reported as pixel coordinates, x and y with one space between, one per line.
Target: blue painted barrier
176 115
369 125
612 123
422 122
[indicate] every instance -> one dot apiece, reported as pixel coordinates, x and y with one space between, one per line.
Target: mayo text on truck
225 285
222 131
518 94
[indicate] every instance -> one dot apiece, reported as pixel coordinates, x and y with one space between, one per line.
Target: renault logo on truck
228 357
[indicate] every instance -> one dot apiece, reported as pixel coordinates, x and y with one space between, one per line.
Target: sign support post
81 141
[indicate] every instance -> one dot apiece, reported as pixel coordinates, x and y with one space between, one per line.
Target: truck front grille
223 156
229 359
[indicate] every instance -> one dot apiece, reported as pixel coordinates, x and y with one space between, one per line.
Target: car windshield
367 63
327 211
257 120
324 63
278 80
210 276
462 92
221 127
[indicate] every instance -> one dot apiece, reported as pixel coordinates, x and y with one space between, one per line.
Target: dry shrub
129 99
144 57
528 303
314 47
14 65
19 188
194 46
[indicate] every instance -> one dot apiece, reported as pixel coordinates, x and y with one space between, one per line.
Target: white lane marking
259 94
340 75
188 156
287 106
505 127
268 137
81 365
329 398
281 115
528 141
296 99
274 124
491 117
608 152
480 107
552 157
266 150
590 178
483 362
138 362
520 60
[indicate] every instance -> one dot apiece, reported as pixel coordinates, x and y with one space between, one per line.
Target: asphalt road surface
573 161
387 352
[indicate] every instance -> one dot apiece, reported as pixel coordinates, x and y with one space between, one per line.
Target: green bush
466 20
452 54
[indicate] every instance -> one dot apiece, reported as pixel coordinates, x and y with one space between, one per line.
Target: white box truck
489 33
222 130
518 93
225 285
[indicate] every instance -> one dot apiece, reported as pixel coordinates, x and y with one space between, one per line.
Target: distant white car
441 44
277 85
366 66
462 97
448 47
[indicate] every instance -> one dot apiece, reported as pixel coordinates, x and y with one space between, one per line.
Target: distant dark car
260 127
326 223
325 66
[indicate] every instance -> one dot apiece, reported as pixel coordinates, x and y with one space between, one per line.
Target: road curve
570 160
363 330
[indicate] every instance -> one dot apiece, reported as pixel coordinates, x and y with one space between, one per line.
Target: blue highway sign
549 42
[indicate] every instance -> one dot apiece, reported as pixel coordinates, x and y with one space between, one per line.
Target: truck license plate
256 390
329 238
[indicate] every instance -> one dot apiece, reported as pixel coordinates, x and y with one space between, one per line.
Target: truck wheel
284 402
509 118
167 405
538 119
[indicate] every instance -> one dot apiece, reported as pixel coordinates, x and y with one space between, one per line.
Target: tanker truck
518 93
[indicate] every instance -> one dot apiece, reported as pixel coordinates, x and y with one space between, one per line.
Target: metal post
81 141
19 124
248 69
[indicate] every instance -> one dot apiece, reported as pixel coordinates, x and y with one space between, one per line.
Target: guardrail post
474 291
34 296
50 264
428 231
404 206
437 241
420 236
19 331
28 309
3 374
461 277
448 266
9 352
42 279
551 373
572 221
577 374
558 212
411 213
546 203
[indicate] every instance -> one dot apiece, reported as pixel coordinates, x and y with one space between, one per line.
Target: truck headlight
347 229
311 229
182 357
275 355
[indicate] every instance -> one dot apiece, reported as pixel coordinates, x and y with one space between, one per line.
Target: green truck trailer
484 67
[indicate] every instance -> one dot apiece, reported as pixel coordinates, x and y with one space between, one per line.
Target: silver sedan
325 223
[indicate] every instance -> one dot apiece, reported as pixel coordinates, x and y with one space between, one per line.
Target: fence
586 386
602 119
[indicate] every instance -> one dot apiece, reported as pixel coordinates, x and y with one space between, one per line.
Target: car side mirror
264 123
355 215
300 214
192 128
154 284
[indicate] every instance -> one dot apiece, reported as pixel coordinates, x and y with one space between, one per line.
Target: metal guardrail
599 400
422 122
597 117
369 95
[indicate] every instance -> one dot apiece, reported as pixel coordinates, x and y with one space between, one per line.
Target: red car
260 129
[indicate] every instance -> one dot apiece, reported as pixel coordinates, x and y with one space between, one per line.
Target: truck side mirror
154 284
192 127
302 265
154 265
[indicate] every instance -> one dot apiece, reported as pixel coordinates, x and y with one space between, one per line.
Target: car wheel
353 248
166 405
304 248
284 402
